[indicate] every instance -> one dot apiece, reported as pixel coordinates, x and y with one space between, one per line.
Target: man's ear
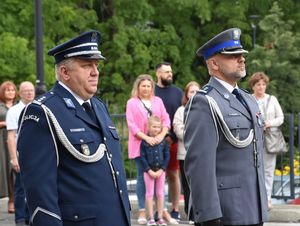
64 73
213 64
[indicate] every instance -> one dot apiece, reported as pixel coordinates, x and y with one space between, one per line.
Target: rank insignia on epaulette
206 89
41 98
85 149
69 103
36 102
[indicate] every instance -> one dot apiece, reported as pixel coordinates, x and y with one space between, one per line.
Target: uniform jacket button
121 191
76 217
117 172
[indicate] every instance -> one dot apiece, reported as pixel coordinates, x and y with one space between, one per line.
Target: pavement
280 215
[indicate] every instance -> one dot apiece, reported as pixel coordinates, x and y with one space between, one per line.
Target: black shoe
156 216
175 214
22 222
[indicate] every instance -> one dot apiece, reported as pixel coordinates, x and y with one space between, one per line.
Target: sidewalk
280 215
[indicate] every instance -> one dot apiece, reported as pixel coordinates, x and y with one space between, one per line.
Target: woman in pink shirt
139 107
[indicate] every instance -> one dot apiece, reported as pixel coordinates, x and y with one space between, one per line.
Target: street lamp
40 85
253 21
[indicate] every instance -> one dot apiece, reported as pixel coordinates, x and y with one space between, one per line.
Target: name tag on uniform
77 130
234 114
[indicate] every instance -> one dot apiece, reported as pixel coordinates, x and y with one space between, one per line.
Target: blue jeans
21 209
140 184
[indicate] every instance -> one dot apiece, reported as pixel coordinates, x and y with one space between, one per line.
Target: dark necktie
238 95
88 109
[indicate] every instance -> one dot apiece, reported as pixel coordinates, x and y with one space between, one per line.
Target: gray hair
67 62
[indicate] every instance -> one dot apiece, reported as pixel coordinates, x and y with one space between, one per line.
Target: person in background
171 96
8 95
27 94
224 141
155 160
73 174
273 117
140 106
178 126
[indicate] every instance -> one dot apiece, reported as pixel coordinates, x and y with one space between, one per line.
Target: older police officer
69 150
223 139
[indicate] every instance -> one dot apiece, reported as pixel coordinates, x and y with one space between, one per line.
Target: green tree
138 35
278 56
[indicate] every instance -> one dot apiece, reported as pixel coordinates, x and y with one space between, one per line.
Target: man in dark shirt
171 96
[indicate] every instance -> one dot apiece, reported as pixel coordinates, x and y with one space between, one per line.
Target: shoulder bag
273 137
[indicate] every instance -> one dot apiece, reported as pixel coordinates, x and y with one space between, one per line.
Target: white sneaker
173 221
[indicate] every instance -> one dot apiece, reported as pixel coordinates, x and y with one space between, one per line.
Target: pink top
137 117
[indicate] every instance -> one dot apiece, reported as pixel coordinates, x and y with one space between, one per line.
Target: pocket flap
78 212
80 137
229 182
237 122
113 132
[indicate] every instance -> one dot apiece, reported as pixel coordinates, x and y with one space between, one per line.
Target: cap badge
236 34
94 37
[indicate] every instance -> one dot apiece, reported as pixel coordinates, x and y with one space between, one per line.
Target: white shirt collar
227 85
79 99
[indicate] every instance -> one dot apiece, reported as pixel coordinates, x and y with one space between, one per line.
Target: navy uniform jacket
224 181
60 189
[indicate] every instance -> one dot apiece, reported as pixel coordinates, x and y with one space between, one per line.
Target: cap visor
237 51
91 57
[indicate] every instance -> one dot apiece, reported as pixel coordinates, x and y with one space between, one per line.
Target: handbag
273 138
274 141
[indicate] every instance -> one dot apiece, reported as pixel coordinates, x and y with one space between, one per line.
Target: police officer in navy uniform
223 138
69 150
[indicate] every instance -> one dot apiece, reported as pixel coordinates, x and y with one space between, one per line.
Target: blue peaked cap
227 42
84 46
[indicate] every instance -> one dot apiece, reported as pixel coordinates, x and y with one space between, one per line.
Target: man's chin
243 74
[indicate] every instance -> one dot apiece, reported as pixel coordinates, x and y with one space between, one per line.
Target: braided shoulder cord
67 144
218 118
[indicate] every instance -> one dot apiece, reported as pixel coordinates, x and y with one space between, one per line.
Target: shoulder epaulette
43 98
246 91
206 89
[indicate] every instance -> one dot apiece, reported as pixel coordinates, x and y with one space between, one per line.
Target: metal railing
286 186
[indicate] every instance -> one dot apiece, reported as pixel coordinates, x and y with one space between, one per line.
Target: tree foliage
136 35
278 55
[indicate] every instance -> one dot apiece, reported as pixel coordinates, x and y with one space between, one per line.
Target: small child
155 160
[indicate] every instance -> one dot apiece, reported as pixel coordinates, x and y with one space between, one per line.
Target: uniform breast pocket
79 215
239 125
113 132
82 141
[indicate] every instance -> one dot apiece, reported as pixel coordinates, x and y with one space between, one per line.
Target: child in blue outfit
155 160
